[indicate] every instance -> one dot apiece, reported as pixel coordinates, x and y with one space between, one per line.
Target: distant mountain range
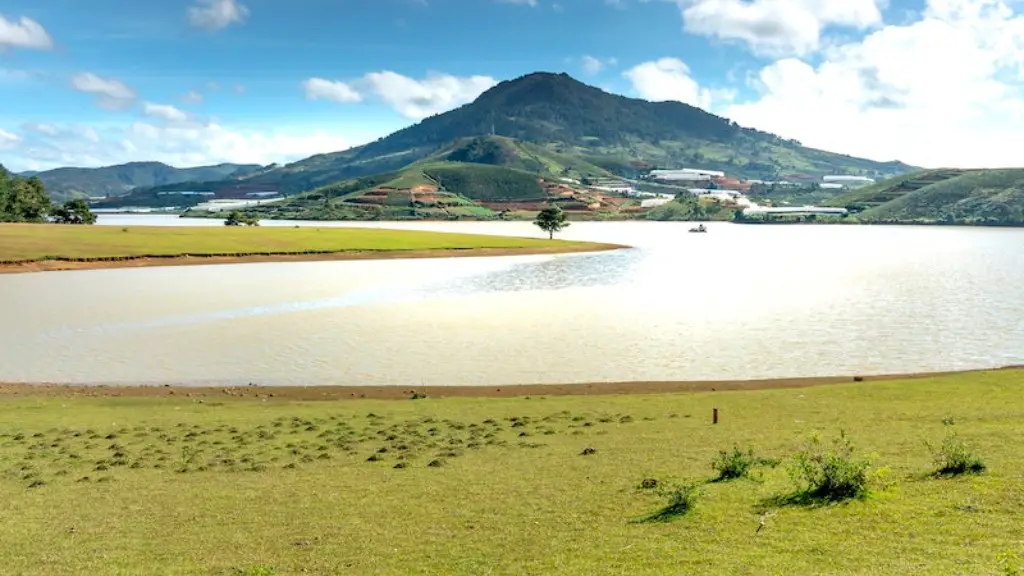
66 183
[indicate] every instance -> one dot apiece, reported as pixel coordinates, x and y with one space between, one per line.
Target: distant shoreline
343 392
209 259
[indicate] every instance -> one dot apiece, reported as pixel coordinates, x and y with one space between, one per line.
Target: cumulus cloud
321 89
8 140
412 98
945 90
193 143
216 14
436 93
592 65
111 94
777 27
164 112
23 33
669 79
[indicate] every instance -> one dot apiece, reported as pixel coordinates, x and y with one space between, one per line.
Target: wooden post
714 415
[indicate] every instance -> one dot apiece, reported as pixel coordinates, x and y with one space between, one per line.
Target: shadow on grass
807 499
682 499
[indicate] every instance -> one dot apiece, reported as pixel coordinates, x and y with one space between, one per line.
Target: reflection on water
739 302
573 271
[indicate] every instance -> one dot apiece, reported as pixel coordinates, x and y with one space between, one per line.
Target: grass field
169 485
35 242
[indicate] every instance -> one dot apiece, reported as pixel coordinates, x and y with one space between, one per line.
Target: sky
195 82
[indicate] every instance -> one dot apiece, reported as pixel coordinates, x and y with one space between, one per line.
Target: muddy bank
404 392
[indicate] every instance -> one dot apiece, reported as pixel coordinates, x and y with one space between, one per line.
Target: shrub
681 499
954 457
733 465
830 474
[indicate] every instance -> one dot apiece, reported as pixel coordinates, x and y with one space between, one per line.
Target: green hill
890 189
993 197
556 118
64 183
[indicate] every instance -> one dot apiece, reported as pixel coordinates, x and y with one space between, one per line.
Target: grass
105 485
35 242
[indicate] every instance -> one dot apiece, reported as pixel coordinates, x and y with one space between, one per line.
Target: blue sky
188 82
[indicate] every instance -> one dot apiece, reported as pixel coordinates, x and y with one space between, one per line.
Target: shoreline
336 393
201 259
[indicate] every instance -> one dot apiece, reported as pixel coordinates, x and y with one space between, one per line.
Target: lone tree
552 219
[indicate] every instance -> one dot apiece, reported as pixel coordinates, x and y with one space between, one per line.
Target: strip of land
332 393
45 247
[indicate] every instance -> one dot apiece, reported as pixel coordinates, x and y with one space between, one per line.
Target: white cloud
111 94
321 89
777 27
946 90
592 65
530 3
437 93
216 14
669 79
23 33
8 140
188 144
192 97
165 112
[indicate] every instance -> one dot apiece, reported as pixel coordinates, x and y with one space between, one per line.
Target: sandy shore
146 261
304 393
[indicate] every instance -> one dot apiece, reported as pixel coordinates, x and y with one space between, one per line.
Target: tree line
25 200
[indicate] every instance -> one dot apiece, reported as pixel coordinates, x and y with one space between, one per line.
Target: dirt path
400 392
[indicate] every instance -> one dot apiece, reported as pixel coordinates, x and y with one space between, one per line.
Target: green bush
733 465
682 498
830 474
954 457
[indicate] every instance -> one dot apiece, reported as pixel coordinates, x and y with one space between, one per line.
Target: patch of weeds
953 457
738 464
588 451
825 474
1011 564
681 499
648 483
261 570
436 463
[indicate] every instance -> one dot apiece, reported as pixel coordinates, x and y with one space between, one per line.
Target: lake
739 302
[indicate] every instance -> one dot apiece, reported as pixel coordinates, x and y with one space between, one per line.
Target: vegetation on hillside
166 483
987 197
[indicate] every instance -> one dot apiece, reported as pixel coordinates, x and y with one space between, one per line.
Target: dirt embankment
304 393
146 261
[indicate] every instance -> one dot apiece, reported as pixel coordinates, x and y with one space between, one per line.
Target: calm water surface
738 302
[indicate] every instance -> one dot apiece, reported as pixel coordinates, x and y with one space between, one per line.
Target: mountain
64 183
561 115
950 196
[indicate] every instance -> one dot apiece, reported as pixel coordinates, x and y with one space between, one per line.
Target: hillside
992 197
63 183
560 115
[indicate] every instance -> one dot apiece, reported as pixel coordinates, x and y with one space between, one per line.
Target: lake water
738 302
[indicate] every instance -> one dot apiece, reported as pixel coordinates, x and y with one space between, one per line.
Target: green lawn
32 242
174 486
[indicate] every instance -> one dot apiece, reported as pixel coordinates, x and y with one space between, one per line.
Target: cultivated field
175 483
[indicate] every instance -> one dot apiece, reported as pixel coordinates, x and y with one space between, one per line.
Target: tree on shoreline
552 219
22 199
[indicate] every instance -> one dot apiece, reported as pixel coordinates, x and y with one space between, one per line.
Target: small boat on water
700 228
